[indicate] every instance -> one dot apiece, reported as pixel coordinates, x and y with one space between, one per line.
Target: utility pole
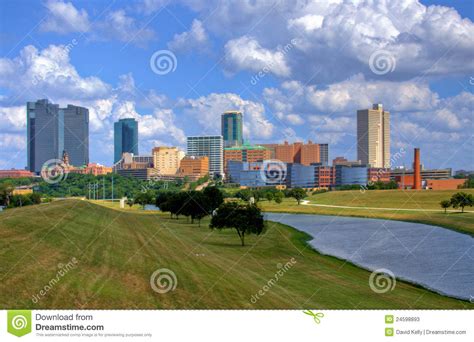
112 187
103 188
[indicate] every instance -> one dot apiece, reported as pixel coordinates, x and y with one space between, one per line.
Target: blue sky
297 70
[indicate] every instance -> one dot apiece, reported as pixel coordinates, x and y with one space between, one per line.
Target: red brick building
13 173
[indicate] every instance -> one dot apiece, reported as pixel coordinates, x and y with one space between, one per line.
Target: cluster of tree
469 183
458 200
370 186
193 204
23 200
269 194
9 200
244 218
78 185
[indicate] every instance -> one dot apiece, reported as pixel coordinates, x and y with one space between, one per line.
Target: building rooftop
245 147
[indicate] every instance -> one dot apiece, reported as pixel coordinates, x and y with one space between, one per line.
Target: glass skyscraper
52 130
231 128
125 137
210 146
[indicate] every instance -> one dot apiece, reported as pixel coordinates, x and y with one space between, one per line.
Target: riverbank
396 205
118 252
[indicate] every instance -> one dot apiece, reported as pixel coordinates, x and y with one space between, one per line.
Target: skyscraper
52 130
211 146
231 128
373 136
324 154
125 137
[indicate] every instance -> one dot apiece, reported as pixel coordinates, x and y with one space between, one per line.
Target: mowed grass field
118 251
401 202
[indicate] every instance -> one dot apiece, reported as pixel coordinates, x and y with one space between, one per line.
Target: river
437 258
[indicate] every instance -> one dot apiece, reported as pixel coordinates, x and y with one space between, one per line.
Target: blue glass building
231 127
125 137
301 176
351 175
52 130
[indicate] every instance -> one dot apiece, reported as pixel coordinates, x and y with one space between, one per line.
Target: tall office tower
373 136
210 146
125 138
231 128
324 154
166 159
52 131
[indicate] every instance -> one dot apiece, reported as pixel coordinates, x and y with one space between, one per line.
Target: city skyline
286 88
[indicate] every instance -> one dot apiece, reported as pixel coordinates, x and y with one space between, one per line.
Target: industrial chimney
416 170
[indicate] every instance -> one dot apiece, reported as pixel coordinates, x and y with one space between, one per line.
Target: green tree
462 199
214 198
245 219
269 196
130 202
298 194
144 198
278 197
6 190
445 204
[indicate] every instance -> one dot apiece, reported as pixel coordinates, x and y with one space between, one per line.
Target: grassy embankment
400 201
117 251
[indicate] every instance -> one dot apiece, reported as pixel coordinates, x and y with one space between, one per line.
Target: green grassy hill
117 252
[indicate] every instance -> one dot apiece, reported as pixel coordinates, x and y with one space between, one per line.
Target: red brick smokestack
416 170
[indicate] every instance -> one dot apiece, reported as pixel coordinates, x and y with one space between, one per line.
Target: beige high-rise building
166 159
373 136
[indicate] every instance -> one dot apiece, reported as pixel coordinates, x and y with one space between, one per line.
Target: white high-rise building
211 146
373 136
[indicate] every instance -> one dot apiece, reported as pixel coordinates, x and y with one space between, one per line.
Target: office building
52 130
344 161
246 153
256 174
324 154
373 136
211 147
301 176
125 138
194 167
14 173
298 152
231 128
130 161
166 159
325 177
